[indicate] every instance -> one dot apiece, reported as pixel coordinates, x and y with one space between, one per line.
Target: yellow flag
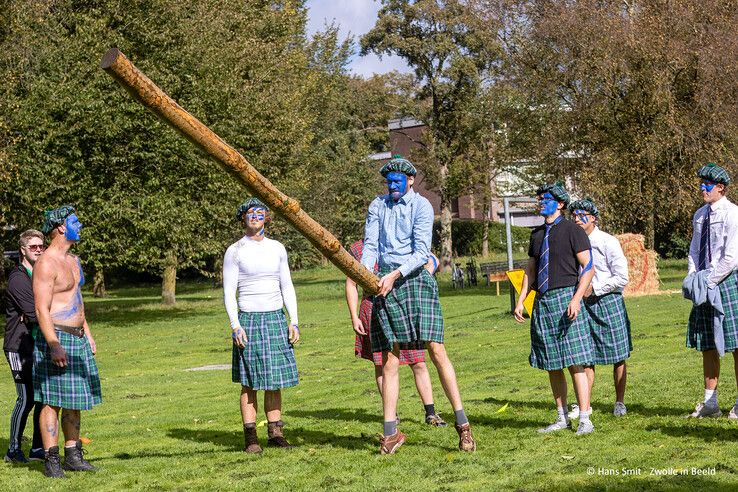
516 278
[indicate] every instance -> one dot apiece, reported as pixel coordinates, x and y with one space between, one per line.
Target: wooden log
147 93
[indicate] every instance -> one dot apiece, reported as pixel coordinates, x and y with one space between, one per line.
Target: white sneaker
574 414
620 409
702 411
733 415
556 426
585 427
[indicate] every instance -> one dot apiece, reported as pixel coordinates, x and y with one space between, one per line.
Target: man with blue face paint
603 301
256 287
64 369
713 253
398 231
559 328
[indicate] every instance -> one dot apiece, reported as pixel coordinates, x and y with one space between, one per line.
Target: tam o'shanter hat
557 190
398 164
713 172
56 217
250 203
585 204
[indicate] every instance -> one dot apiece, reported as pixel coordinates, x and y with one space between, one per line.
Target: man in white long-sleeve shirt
609 323
714 247
256 268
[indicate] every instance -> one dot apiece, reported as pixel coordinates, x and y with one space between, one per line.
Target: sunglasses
36 247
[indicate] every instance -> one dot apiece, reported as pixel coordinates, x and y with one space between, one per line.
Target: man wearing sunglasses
610 326
713 255
18 346
256 287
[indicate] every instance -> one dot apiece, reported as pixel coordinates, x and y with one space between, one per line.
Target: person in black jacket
18 346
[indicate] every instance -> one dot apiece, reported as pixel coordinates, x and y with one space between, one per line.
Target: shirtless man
64 369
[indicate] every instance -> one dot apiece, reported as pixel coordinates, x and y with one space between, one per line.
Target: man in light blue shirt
398 231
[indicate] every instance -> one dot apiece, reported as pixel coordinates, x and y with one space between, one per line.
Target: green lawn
164 428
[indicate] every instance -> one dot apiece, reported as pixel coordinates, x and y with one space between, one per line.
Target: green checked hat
398 165
250 203
56 217
713 172
585 204
557 190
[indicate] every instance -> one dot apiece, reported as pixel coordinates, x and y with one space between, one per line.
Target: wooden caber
147 93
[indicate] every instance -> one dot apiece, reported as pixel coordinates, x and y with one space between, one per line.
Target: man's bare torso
67 307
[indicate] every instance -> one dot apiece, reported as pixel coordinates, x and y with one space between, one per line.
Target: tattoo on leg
51 429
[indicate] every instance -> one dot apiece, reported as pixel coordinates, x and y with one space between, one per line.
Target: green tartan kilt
267 362
557 342
410 313
76 386
700 329
610 328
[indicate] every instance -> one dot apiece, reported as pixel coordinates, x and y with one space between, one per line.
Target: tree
634 96
450 60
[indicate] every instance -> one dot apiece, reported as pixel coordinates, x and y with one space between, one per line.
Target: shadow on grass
698 428
127 312
345 414
599 406
298 436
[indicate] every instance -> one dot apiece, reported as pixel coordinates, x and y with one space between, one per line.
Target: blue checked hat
585 204
56 217
557 190
713 172
398 164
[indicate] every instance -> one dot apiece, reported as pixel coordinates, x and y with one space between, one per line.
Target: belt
77 331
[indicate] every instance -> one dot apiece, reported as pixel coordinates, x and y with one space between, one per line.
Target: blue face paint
256 213
396 185
707 186
548 203
72 227
582 215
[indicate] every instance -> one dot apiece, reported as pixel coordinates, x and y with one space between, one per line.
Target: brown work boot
250 439
390 444
466 439
276 438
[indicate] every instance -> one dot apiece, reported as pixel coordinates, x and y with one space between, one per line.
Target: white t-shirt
259 272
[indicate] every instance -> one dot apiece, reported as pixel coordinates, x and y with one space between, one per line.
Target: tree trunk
485 235
650 229
98 283
446 238
169 279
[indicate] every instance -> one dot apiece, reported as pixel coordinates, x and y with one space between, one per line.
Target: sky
355 18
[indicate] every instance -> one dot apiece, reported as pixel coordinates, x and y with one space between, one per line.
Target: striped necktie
705 257
543 259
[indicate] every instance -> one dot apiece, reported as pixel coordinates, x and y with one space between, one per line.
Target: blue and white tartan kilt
610 328
76 386
700 329
267 362
557 342
409 314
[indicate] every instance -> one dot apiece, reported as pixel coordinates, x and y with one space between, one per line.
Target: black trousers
21 369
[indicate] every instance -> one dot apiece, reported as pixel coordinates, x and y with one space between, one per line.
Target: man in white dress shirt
714 247
610 326
263 358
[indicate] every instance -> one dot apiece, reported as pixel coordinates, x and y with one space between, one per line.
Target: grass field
162 427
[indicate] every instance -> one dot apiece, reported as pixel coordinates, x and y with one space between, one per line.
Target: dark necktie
543 258
705 257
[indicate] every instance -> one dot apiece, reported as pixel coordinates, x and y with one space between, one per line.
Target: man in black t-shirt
18 346
559 330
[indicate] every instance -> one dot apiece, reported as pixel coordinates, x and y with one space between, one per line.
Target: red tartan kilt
363 344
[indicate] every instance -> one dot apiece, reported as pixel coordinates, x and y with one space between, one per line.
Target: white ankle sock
711 397
562 414
584 416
